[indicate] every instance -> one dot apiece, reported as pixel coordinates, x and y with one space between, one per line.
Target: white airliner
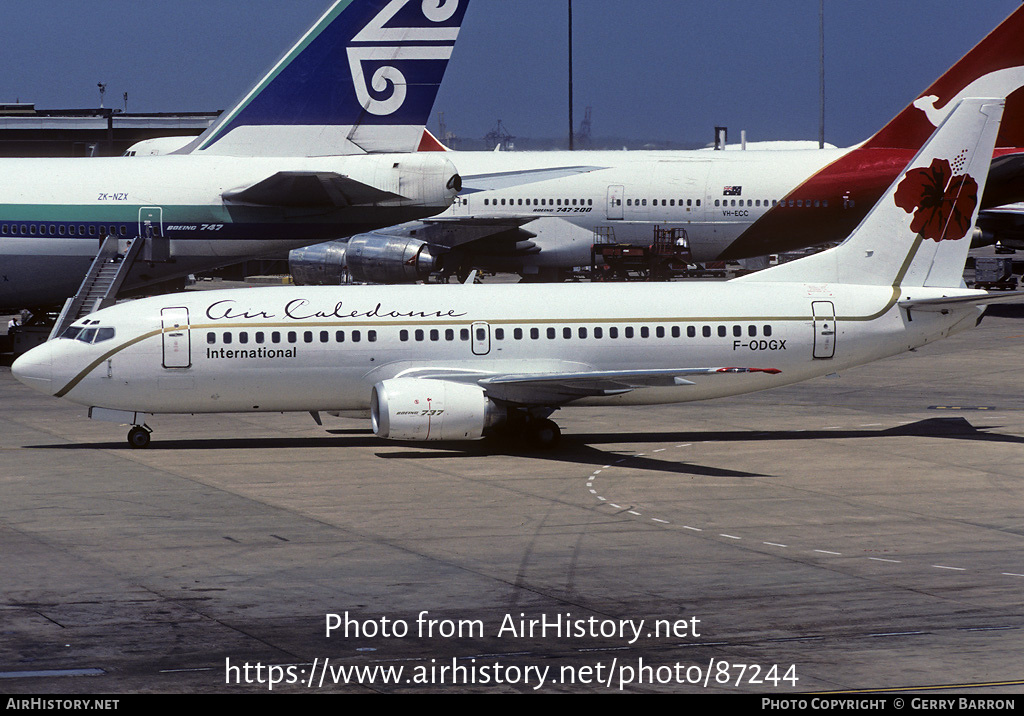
299 160
536 213
442 362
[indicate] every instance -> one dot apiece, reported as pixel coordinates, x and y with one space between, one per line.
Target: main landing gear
543 434
535 432
140 436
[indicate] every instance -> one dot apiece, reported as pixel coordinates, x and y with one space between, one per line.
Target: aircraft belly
28 280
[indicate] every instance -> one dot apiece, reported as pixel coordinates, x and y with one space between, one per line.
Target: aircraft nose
35 369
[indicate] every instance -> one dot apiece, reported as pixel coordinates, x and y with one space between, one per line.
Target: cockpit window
90 335
71 332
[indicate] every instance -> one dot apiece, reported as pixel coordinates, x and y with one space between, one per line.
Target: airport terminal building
104 132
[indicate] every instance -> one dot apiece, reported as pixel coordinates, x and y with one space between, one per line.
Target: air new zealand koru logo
428 39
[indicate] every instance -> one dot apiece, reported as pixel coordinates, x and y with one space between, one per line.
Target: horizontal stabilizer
309 190
947 303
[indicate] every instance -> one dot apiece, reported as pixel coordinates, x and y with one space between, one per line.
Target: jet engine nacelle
319 265
377 258
364 258
425 409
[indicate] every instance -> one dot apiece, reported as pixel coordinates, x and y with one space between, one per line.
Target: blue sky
653 69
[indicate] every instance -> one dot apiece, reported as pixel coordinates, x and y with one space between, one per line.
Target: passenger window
598 332
243 337
211 338
403 335
518 334
339 336
356 336
293 337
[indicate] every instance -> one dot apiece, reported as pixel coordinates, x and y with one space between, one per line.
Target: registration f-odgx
440 362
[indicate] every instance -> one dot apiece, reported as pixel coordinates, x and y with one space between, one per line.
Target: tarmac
856 532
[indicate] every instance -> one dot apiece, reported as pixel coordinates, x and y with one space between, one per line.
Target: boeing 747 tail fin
362 80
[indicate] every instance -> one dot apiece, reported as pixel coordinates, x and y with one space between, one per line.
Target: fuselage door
615 194
824 329
481 338
157 246
151 221
177 342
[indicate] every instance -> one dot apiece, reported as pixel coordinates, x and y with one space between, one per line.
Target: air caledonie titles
299 309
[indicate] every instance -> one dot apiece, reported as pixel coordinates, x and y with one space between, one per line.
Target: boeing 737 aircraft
299 160
445 362
537 213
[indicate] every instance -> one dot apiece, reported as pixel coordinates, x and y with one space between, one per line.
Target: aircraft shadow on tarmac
578 448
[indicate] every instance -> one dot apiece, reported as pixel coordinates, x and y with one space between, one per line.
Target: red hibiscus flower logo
942 204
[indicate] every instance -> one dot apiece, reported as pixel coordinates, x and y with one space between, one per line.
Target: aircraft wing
504 180
1004 224
550 389
310 190
1005 183
498 232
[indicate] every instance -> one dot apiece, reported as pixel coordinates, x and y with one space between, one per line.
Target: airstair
102 282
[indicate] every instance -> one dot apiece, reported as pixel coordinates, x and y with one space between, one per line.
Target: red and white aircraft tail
918 234
994 68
